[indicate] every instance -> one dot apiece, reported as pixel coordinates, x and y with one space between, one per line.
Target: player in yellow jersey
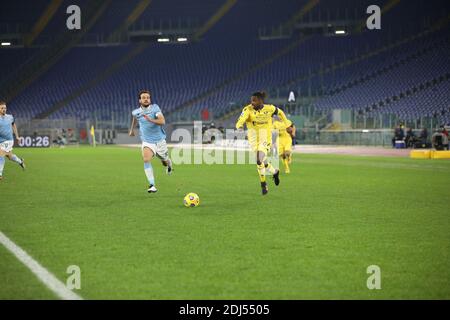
286 132
292 131
257 117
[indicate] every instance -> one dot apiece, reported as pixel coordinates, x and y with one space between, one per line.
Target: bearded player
151 122
7 129
257 117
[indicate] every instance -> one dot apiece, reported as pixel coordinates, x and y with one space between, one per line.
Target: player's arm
16 132
294 130
133 124
242 118
282 116
159 119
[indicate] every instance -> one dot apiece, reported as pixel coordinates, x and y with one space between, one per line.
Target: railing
165 25
351 137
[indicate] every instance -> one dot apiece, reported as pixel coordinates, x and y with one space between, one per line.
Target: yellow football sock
261 172
286 164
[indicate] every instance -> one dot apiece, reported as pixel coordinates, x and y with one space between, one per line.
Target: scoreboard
34 141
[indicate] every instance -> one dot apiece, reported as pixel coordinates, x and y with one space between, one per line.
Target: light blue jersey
150 132
6 132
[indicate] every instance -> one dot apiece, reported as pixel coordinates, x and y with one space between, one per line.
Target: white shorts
159 149
7 146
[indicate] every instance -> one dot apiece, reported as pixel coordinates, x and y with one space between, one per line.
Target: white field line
47 278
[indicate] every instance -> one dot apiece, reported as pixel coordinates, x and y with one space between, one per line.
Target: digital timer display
34 141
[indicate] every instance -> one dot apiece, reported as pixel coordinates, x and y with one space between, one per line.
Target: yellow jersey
259 119
281 127
259 125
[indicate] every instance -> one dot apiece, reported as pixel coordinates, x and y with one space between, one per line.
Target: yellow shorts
260 142
262 146
284 145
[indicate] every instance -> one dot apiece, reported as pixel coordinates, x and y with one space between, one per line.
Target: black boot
264 188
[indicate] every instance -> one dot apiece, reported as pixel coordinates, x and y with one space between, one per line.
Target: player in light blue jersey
151 122
7 129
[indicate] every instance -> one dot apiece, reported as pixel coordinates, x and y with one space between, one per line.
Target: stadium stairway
42 21
290 23
132 17
222 11
49 56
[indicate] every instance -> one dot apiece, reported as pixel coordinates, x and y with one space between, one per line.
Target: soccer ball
191 200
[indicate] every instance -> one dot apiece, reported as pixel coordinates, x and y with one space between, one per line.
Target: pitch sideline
45 276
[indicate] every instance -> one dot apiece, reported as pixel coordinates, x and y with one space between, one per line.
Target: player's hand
131 133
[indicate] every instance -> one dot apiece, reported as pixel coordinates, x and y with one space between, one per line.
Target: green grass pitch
312 237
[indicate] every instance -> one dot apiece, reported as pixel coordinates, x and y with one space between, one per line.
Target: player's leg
147 156
286 156
168 164
287 150
260 156
275 172
6 152
268 166
2 163
163 154
283 157
11 156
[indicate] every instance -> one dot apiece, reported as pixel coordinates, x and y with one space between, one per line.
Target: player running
151 122
257 116
286 132
7 129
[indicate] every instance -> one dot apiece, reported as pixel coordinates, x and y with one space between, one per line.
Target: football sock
169 162
261 172
286 163
2 165
270 167
149 173
16 159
